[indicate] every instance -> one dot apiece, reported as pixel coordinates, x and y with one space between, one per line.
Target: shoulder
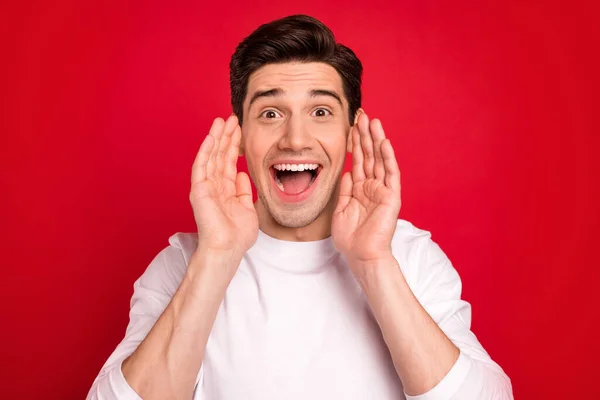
407 234
184 243
167 269
421 260
410 243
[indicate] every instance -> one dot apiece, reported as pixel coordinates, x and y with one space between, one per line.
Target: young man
317 290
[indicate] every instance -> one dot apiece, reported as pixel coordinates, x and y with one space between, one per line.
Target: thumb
243 189
345 192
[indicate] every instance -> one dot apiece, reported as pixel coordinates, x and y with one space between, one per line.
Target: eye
321 112
270 114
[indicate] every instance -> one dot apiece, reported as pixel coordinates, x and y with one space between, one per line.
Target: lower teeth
279 184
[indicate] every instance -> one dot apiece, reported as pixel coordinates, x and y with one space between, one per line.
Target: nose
296 136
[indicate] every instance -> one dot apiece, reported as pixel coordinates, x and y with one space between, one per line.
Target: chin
295 219
295 215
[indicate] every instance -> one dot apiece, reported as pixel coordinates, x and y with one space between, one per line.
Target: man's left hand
365 218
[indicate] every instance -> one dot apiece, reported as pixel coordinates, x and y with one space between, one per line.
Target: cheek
256 148
334 144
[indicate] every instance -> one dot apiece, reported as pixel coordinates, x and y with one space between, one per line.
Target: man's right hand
167 361
221 197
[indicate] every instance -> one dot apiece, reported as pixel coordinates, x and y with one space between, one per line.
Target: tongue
295 182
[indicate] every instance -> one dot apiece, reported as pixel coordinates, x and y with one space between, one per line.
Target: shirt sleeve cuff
450 384
118 385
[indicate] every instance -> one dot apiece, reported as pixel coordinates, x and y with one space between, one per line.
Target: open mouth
295 178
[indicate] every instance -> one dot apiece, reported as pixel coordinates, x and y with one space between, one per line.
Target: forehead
295 77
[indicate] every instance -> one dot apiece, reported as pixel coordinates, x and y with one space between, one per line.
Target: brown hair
295 38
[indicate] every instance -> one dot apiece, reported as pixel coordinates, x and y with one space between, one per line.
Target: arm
428 335
421 352
166 363
173 337
160 308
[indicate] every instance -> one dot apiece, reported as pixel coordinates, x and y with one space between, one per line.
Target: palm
365 218
221 198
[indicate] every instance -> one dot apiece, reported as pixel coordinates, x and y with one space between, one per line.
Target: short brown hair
295 38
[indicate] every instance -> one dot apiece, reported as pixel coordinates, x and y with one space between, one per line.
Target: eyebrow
323 92
265 93
278 92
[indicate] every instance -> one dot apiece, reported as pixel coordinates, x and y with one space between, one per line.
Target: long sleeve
437 286
152 293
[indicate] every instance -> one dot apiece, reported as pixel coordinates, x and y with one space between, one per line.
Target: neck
319 229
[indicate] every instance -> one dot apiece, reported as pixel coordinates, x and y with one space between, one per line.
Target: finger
358 172
345 196
232 154
243 189
199 165
378 136
228 130
392 172
216 131
367 145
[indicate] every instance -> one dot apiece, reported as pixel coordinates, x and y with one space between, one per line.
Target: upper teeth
295 167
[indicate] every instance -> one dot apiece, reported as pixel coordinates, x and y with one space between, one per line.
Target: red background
491 109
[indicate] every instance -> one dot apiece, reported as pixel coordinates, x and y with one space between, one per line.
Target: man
317 290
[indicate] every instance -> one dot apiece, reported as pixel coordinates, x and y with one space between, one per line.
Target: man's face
294 132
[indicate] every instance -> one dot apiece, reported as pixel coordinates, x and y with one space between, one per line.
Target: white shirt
294 324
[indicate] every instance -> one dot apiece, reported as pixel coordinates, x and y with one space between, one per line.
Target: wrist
372 274
219 264
383 260
214 255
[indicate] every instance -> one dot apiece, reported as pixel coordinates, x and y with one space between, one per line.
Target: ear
358 113
349 141
241 146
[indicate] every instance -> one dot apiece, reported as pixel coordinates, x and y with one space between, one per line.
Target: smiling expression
295 131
